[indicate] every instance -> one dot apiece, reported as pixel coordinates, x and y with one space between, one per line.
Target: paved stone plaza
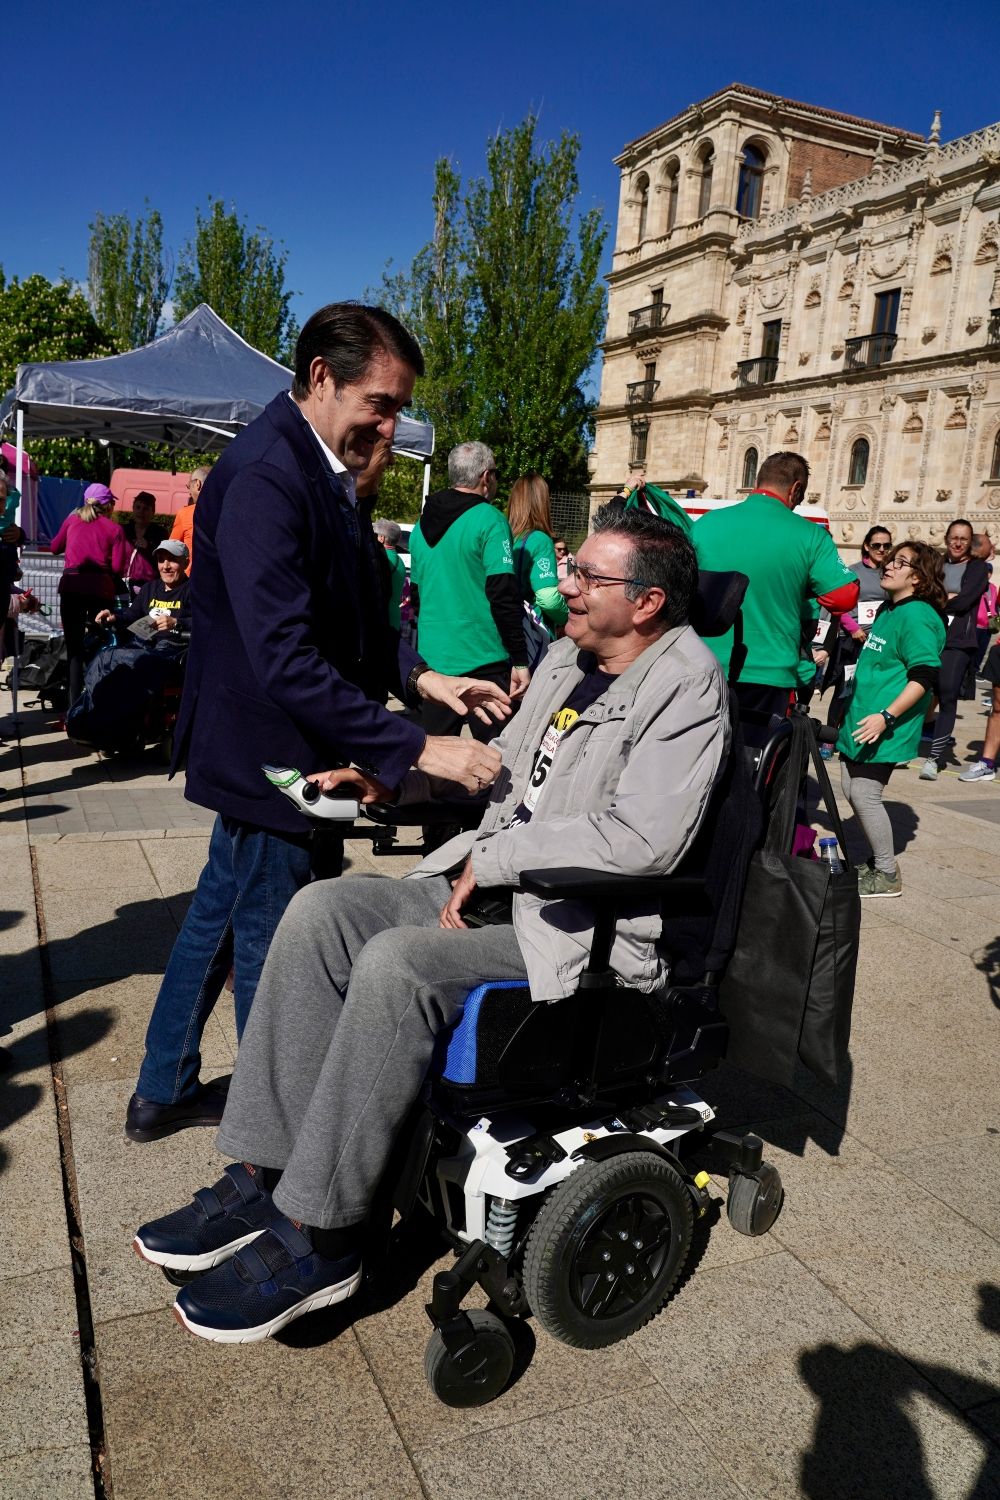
851 1354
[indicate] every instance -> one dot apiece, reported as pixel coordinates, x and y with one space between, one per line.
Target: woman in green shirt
534 551
896 672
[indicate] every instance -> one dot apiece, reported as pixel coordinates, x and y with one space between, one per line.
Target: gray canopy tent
192 388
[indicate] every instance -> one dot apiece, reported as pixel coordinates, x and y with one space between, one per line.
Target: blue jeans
242 893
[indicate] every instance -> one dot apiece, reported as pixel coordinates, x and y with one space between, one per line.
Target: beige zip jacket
625 794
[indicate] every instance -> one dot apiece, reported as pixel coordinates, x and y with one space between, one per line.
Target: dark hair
927 570
348 336
661 557
145 495
783 470
959 521
874 531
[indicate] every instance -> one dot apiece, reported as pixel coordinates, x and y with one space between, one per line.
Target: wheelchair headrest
718 601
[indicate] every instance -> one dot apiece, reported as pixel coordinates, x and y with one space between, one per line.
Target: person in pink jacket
96 555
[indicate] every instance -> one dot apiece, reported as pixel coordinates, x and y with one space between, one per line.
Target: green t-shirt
456 627
538 578
788 560
397 583
904 635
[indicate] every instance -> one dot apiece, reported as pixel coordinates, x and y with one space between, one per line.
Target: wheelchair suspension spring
500 1226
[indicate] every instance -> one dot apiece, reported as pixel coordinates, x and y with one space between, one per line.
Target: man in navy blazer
292 657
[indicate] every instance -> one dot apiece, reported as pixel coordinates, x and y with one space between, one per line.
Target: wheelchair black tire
482 1372
595 1218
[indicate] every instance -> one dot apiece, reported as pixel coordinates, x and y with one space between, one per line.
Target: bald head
982 546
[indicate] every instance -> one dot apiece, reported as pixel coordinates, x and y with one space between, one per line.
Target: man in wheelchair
608 766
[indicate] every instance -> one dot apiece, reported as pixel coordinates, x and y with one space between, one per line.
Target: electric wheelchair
550 1141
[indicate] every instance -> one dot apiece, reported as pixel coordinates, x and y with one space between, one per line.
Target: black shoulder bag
789 988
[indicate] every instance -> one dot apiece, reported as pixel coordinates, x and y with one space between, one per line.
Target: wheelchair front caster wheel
476 1373
180 1278
755 1202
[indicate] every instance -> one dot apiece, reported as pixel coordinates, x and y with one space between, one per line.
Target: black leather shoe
148 1121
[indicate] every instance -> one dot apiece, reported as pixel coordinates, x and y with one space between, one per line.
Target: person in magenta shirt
96 556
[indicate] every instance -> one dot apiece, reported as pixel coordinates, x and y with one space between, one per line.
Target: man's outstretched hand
472 765
465 694
451 912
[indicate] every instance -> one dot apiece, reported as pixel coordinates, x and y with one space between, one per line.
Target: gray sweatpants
863 786
359 980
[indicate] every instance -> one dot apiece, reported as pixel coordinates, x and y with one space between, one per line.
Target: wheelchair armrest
426 814
596 885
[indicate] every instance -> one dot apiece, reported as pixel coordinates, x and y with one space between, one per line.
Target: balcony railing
641 319
640 391
869 352
761 371
993 327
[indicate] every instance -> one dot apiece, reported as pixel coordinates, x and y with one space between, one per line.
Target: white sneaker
929 770
978 771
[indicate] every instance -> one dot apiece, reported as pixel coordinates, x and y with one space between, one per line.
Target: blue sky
323 123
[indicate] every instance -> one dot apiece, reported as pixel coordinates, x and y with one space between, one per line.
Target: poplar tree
241 275
128 277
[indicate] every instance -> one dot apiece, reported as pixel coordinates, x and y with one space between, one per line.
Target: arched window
705 191
642 189
672 182
749 469
860 453
751 182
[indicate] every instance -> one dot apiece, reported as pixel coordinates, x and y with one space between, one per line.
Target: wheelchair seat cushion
484 1029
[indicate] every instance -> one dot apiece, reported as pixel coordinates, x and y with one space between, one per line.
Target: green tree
42 320
508 305
128 277
241 276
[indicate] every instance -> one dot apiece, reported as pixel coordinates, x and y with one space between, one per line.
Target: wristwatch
889 718
415 675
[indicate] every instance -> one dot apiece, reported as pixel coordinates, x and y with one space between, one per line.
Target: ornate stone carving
741 311
942 258
814 296
900 497
913 423
837 352
913 532
989 244
935 532
792 435
837 407
887 402
973 324
771 299
804 356
863 406
823 432
957 418
846 290
993 500
847 530
888 266
943 496
977 387
928 335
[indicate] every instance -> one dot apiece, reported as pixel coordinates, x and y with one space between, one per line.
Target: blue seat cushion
489 1019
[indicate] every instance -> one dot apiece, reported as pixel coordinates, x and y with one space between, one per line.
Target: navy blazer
291 646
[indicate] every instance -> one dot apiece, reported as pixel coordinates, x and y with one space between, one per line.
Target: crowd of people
610 753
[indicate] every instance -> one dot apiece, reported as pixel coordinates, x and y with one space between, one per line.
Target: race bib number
866 611
543 764
819 634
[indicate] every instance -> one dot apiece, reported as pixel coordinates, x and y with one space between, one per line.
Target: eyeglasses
585 580
901 562
879 546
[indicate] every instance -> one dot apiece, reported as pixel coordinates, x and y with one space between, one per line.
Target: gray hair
467 463
390 532
201 472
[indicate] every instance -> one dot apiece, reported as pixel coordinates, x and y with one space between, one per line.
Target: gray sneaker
978 771
929 769
881 884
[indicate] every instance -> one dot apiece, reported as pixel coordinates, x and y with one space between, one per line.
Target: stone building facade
788 277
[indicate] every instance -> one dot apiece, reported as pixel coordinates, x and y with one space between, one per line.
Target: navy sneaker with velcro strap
219 1221
264 1287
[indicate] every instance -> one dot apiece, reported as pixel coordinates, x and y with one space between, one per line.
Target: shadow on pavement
987 961
31 1052
866 1445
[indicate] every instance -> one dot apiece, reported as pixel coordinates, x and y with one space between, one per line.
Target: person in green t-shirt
788 561
463 587
534 551
897 671
390 534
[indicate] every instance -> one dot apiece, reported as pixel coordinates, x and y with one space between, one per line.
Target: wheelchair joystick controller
338 807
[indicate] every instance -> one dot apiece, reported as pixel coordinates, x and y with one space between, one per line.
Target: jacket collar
288 419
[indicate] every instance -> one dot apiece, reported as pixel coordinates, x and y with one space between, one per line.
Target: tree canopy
241 276
507 303
128 277
43 320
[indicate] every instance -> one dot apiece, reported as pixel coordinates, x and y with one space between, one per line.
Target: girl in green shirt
896 671
534 552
